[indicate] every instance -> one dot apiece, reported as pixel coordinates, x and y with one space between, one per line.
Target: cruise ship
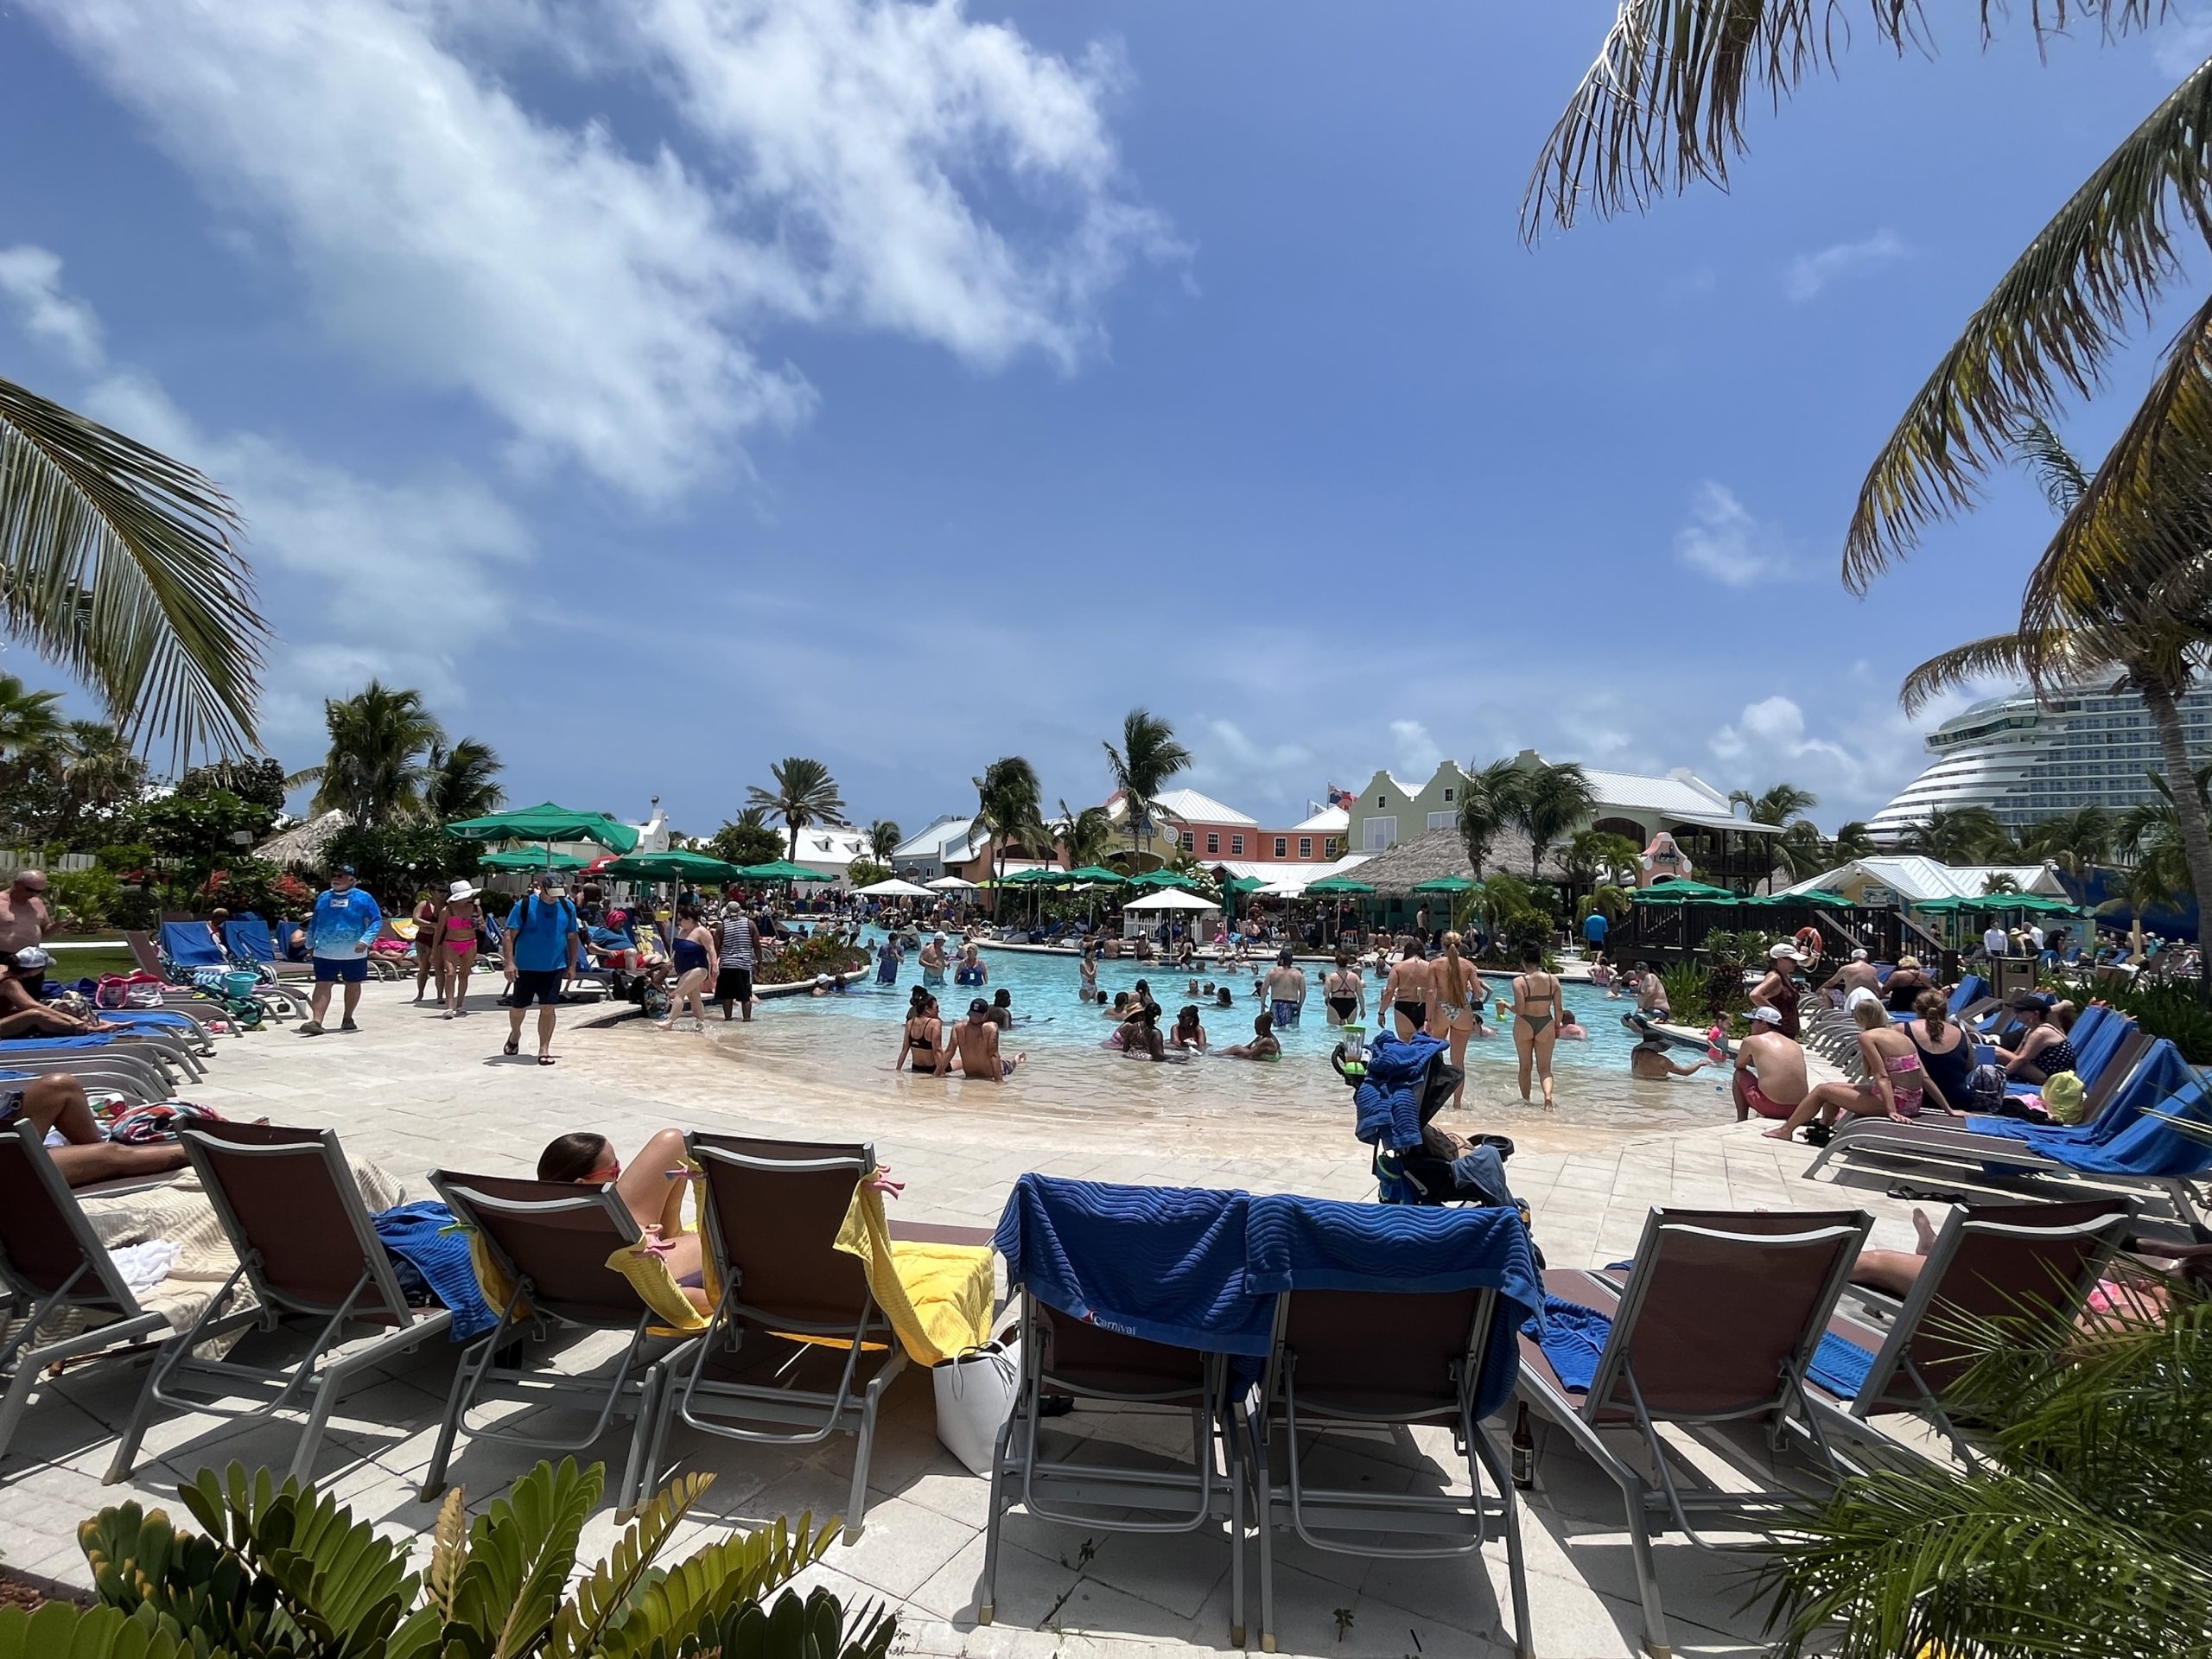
2087 746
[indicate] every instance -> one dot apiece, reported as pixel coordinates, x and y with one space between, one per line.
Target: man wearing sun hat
345 920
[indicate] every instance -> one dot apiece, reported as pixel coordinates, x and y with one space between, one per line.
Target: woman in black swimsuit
1344 991
923 1036
1536 1009
1407 991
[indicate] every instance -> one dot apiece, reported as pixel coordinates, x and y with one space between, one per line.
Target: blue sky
669 387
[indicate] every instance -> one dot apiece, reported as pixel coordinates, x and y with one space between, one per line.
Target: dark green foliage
746 843
2171 1011
259 781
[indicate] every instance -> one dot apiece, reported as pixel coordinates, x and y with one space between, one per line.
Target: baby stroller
1405 1084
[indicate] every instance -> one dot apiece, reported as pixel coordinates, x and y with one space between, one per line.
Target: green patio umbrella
1810 896
780 869
674 865
1336 884
1454 884
1677 892
1157 879
547 823
530 858
1240 884
1096 873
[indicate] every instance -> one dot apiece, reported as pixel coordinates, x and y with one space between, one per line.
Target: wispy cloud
30 279
2183 44
1725 542
1809 273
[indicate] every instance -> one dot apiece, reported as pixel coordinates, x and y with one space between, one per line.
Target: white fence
21 857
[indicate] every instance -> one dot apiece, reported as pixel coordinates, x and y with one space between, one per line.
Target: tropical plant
256 779
1780 804
1955 835
2168 1010
250 884
805 794
1008 808
195 834
883 839
99 767
1548 801
116 563
1687 985
1486 810
2080 1528
740 841
28 719
1601 854
1605 900
83 900
2074 842
1998 883
394 861
1852 839
285 1570
460 781
374 770
1084 836
1148 757
866 873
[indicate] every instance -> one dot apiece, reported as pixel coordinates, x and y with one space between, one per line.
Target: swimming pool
848 1040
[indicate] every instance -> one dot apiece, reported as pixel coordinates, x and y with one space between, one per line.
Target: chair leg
986 1605
856 1506
639 1468
1517 1567
464 1384
1233 1459
19 1398
126 1449
1633 1494
1263 1524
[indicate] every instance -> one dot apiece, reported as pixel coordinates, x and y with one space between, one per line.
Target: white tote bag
976 1391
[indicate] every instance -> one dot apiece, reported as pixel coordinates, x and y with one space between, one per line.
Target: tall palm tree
98 766
461 782
1852 839
1148 757
1956 834
1084 836
1783 804
374 770
1008 808
753 818
1487 810
883 839
28 719
804 794
2074 841
1550 802
116 563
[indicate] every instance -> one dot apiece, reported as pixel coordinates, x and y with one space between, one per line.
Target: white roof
820 846
1286 879
1330 821
1171 899
1192 807
958 838
951 884
1916 880
1681 794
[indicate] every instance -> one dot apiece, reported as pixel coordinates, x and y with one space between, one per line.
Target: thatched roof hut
1440 853
304 846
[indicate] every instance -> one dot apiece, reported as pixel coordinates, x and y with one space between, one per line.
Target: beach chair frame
1184 1498
1337 1325
374 1300
723 1406
92 1286
140 1073
496 1366
1616 1401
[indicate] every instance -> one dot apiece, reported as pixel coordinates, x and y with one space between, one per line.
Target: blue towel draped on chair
249 940
2161 1073
189 944
415 1233
1388 1101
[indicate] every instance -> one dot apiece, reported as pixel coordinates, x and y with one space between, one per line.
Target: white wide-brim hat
461 890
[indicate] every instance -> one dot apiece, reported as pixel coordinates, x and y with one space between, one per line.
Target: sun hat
461 889
1785 950
341 869
1767 1016
32 957
821 979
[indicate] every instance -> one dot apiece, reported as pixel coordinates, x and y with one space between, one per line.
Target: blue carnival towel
247 937
2149 1146
1969 990
189 944
1162 1262
1839 1367
153 1019
1389 1100
2162 1074
25 1045
416 1234
1572 1337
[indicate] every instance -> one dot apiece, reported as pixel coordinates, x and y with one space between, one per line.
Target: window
1305 847
1440 820
1382 800
1213 842
1380 833
1332 848
1447 792
1237 846
1282 846
1189 841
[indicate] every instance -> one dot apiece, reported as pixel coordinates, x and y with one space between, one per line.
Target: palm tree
99 767
116 563
1956 834
1783 804
374 772
1148 757
2074 841
883 839
804 794
1487 810
1084 836
461 782
1852 839
28 719
1550 801
753 818
1008 808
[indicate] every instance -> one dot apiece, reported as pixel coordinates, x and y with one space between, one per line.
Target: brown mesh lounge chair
550 1241
1716 1325
290 1205
769 1211
53 1263
1064 1356
1370 1359
2006 1263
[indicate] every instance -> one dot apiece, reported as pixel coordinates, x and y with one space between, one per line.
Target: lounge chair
549 1241
137 1070
292 1210
53 1264
1356 1348
1716 1323
1989 1262
770 1211
2128 1144
251 946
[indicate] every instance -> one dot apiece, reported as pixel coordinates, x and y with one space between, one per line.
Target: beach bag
2063 1096
158 1124
976 1391
112 992
1985 1090
140 990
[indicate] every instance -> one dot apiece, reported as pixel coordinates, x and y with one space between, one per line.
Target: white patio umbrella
953 884
1173 899
894 888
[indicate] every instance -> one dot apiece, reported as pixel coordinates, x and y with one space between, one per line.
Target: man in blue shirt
345 922
543 939
1594 929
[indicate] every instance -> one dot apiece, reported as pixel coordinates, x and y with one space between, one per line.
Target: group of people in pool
1444 995
969 1046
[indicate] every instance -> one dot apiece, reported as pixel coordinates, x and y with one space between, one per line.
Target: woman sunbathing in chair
57 1102
23 1015
651 1188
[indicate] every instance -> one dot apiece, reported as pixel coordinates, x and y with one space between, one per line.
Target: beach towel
1389 1100
189 944
2162 1074
938 1297
1164 1263
1572 1338
1300 1243
416 1234
1840 1366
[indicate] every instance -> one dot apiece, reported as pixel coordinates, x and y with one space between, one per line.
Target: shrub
137 910
1686 991
866 873
819 953
251 884
88 897
2169 1011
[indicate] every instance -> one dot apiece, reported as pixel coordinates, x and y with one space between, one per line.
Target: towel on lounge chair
416 1234
1572 1337
2163 1075
1389 1100
938 1297
1840 1366
189 944
1161 1263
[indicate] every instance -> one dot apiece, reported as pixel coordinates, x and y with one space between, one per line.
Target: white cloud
1810 273
607 305
1415 755
2184 45
1723 540
30 277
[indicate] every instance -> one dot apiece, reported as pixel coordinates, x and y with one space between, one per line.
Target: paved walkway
412 1092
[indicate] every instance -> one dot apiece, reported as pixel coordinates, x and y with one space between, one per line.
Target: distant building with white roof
1913 879
944 847
1213 831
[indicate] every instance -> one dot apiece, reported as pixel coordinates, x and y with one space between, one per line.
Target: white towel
144 1266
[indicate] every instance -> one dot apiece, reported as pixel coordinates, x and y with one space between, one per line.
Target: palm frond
2051 464
2046 329
116 563
1978 659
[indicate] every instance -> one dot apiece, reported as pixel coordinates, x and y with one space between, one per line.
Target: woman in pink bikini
1895 1084
458 933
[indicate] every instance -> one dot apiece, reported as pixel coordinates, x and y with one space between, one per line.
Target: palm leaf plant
883 839
1547 804
805 794
1147 758
376 769
460 781
1008 808
285 1570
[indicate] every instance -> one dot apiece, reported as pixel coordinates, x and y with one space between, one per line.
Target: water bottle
1523 1449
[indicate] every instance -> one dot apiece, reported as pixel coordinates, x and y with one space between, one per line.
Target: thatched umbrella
304 846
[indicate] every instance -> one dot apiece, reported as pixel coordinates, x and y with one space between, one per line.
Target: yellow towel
938 1297
657 1288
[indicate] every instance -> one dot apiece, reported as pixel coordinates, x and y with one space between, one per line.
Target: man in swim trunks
1649 1062
1770 1070
1855 976
976 1041
1287 989
933 961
